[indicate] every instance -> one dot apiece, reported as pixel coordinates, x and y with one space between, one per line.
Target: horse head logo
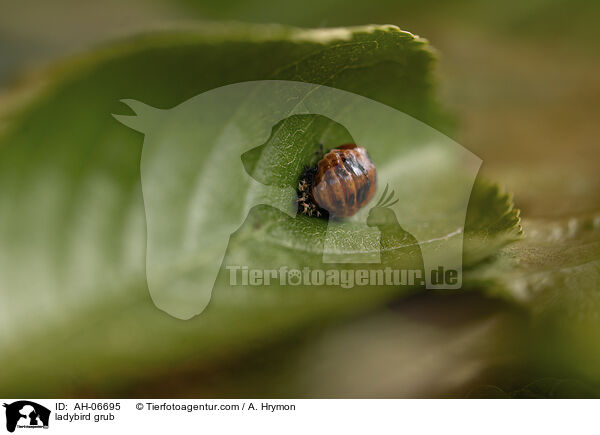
190 213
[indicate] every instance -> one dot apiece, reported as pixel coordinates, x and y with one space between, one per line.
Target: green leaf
72 223
545 388
555 274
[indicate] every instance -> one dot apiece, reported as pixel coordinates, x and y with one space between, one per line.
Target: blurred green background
521 80
521 77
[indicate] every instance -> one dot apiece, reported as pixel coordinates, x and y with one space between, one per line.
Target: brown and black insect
341 183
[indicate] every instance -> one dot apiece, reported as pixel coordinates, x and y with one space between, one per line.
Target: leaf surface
72 222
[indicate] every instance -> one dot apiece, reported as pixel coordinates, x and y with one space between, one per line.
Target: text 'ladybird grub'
341 183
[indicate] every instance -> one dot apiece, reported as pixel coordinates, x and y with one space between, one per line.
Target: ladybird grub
340 184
